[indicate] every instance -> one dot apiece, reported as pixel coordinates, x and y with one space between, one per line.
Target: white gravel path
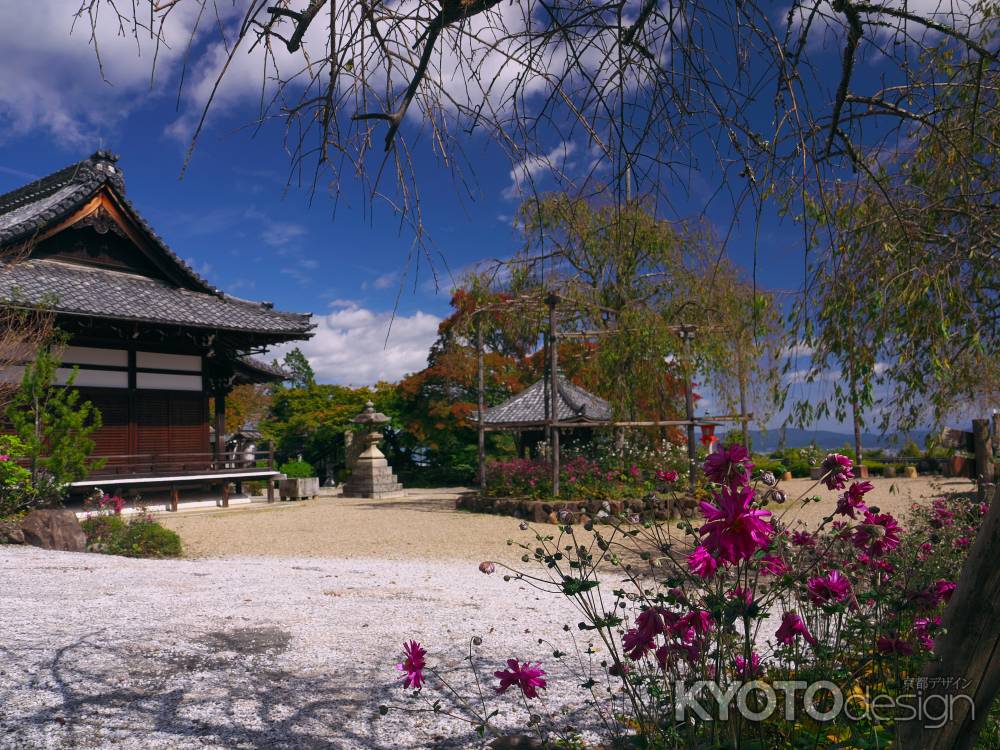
100 652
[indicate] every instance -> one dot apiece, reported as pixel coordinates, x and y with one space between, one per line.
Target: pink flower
527 676
925 551
944 589
853 499
748 670
772 565
4 457
650 623
922 628
791 627
836 471
731 466
702 563
803 539
633 471
877 534
962 542
413 665
833 587
487 567
666 475
733 530
699 621
894 645
744 596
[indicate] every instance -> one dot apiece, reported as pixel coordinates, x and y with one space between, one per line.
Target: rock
10 533
54 529
539 514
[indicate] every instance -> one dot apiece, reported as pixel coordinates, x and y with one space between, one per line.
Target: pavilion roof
528 408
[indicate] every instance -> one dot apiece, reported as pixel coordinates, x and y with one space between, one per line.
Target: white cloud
349 344
281 233
50 73
525 173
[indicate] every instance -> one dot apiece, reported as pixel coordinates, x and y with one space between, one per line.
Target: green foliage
15 481
297 469
139 537
298 367
911 450
53 424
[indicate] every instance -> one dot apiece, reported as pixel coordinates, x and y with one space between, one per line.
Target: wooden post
481 406
174 498
270 467
551 300
687 334
968 651
984 457
225 494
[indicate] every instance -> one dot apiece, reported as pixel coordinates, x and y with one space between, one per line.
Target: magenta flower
803 539
742 595
853 500
922 628
696 622
633 471
702 563
836 471
894 645
748 670
772 565
413 665
833 587
528 676
650 623
731 466
877 534
962 542
4 457
734 531
666 475
791 627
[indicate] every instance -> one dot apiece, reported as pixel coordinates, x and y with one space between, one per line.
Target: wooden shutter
152 422
188 423
112 438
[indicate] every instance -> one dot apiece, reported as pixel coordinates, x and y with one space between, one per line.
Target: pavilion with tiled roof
529 409
152 339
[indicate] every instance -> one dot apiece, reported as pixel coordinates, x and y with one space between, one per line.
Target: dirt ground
425 524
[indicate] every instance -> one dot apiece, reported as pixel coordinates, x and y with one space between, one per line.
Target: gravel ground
103 652
425 525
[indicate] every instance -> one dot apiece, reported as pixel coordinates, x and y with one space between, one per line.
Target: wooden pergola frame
553 426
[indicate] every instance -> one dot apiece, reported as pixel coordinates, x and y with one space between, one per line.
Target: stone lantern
372 475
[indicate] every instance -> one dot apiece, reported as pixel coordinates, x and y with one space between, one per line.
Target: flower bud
768 479
487 567
778 496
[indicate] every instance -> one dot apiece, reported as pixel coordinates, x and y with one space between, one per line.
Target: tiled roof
83 290
257 370
29 209
528 407
73 289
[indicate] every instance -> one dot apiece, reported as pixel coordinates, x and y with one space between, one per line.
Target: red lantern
708 438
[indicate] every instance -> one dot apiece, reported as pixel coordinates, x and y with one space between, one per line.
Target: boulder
10 533
54 529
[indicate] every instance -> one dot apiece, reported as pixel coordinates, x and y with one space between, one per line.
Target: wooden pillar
984 457
225 494
551 300
174 498
481 406
220 428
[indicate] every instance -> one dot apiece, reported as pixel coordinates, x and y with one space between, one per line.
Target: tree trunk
969 651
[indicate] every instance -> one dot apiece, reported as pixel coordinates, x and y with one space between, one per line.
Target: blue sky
236 221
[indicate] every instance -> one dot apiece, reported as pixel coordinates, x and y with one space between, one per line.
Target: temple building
153 341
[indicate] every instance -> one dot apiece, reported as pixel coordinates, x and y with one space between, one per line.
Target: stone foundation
372 477
583 511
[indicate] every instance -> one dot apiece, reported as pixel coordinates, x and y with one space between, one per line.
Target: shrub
16 494
137 537
297 469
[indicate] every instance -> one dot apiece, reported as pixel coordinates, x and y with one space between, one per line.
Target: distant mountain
826 439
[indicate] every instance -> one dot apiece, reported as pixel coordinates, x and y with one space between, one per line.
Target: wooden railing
178 464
